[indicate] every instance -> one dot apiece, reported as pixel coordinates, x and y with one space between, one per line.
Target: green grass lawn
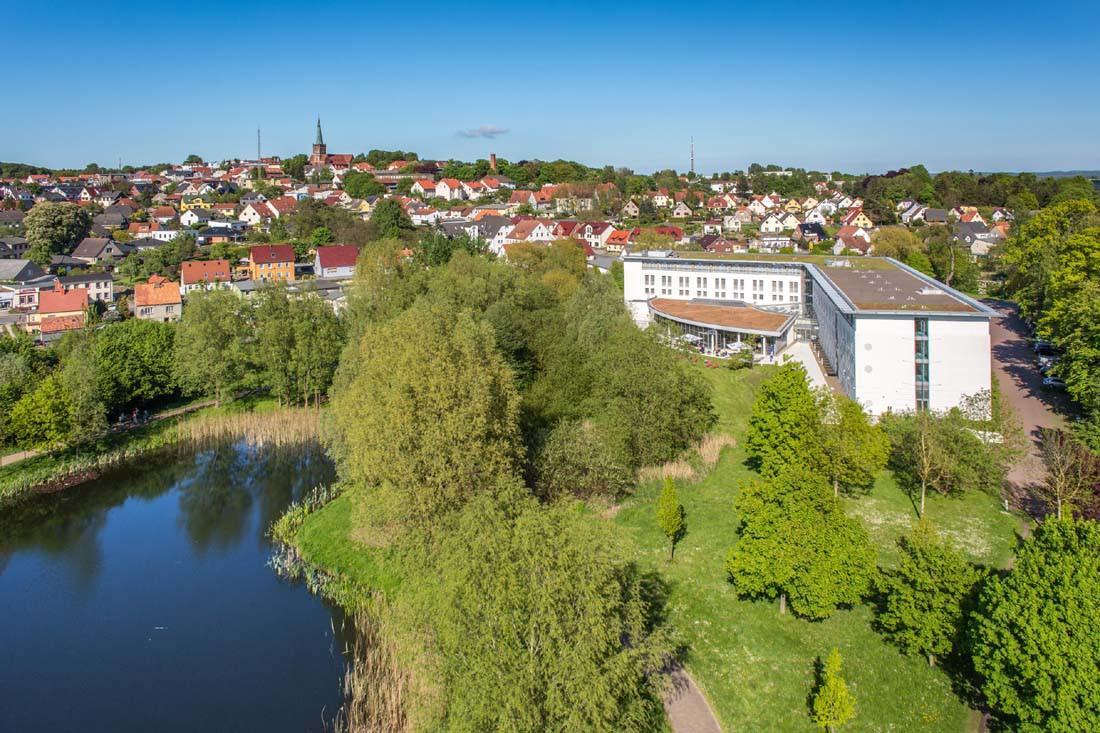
756 666
325 540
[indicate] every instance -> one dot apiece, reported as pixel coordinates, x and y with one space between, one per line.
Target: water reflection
148 590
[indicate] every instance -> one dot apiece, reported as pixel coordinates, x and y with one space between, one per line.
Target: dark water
142 602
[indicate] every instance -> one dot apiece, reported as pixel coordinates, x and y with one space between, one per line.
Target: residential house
682 211
271 262
158 300
100 286
191 217
856 218
810 233
790 221
756 206
58 310
336 262
204 275
630 210
595 233
255 214
772 224
619 240
450 189
423 187
96 250
530 230
731 223
935 216
912 214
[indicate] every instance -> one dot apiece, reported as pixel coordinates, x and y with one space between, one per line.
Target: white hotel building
895 338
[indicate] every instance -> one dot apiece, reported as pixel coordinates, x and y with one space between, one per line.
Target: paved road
688 711
1021 384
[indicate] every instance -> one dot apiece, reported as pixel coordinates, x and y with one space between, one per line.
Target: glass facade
920 362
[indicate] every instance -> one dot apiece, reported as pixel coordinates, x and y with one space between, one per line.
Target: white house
336 262
772 224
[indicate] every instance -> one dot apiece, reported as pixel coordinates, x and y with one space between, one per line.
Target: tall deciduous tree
853 449
795 541
784 426
575 460
833 704
925 597
670 515
136 362
426 408
1034 634
940 452
1072 471
211 355
53 229
540 624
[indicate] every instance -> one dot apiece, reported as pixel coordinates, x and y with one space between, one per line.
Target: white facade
874 352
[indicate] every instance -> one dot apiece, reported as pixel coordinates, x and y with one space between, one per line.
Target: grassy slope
325 541
757 667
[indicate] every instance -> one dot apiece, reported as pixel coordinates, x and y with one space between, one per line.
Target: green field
756 666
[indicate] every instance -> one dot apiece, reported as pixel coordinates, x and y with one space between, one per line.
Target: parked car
1053 383
1043 347
1045 361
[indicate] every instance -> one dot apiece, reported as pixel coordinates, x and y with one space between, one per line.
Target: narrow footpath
687 710
25 454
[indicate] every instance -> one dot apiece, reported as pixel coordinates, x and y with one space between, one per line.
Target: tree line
71 392
475 402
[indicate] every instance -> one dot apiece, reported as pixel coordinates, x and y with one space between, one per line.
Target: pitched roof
341 255
60 301
157 291
266 253
193 271
58 324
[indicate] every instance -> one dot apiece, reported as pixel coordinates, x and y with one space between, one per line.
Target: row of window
702 288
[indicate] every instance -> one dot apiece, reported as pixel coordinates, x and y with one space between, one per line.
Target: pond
143 601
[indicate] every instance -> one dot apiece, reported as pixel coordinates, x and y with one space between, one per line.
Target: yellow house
271 263
194 202
857 218
792 207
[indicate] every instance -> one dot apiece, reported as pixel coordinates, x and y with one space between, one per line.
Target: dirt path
23 455
687 710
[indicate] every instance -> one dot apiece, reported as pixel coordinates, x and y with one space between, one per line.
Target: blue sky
855 86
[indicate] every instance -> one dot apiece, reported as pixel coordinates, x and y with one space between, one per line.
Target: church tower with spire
319 157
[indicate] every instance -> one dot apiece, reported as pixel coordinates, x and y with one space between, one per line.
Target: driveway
1021 385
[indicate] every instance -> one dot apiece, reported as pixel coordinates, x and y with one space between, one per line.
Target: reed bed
696 463
56 472
377 687
276 428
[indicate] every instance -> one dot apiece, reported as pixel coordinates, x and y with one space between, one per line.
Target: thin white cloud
486 131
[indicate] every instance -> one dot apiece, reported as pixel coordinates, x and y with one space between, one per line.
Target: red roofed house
450 189
856 218
424 187
336 262
271 262
204 275
58 310
158 300
282 205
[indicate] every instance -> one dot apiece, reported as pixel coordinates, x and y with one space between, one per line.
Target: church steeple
319 157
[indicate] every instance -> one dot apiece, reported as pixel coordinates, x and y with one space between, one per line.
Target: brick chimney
493 162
